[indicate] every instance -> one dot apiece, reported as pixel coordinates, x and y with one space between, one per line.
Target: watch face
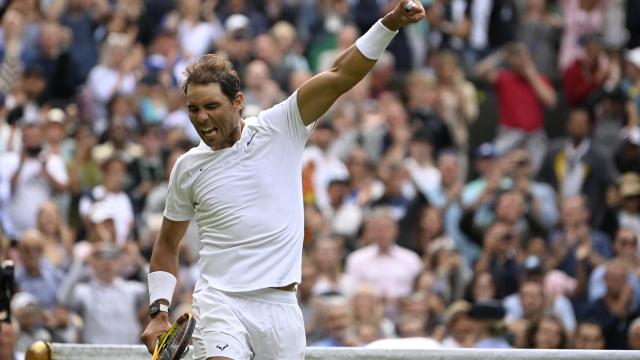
154 309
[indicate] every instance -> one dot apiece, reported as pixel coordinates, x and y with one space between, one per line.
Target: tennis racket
173 344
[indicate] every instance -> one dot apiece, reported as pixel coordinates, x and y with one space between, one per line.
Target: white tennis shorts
260 325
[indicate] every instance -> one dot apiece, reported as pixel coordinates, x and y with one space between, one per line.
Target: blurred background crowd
480 188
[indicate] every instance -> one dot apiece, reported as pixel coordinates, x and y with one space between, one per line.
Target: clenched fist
405 13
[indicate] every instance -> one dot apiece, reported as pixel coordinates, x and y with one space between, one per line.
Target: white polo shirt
247 202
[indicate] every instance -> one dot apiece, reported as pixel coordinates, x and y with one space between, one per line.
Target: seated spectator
451 273
628 196
35 274
534 300
547 333
576 243
388 268
461 329
540 198
489 325
613 310
510 208
482 288
589 336
260 90
336 322
398 190
344 216
306 297
57 237
326 256
364 184
499 257
625 246
369 310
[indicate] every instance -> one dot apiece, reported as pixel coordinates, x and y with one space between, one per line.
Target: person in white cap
242 186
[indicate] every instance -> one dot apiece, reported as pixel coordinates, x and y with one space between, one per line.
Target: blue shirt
600 242
44 287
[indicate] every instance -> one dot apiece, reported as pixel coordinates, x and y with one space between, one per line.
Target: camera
7 289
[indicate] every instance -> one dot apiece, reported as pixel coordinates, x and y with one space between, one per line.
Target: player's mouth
209 131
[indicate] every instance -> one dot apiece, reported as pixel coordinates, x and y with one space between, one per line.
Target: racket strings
177 341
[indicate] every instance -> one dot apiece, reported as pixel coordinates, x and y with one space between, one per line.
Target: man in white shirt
242 185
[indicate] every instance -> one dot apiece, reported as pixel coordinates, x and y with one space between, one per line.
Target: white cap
102 211
633 56
55 115
22 300
236 22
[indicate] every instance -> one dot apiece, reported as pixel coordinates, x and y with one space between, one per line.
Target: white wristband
375 40
161 286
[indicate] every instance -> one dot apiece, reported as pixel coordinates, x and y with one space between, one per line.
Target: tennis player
243 187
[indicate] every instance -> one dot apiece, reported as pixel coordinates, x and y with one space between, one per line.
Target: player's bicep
171 232
317 95
179 205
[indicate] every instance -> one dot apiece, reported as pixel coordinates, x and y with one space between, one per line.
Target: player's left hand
405 13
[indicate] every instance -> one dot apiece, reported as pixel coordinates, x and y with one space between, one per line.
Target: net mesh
94 352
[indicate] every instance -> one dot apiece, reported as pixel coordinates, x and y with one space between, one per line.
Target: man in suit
576 167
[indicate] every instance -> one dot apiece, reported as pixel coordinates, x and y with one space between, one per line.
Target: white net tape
97 352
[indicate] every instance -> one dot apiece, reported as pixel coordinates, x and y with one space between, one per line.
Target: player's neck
233 137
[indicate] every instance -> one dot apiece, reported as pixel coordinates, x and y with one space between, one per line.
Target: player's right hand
156 328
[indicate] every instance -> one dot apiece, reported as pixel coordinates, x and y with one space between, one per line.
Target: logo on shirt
252 135
222 347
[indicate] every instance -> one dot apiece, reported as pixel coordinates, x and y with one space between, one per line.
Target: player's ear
238 101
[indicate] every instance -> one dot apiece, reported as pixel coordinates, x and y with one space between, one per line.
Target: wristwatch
156 308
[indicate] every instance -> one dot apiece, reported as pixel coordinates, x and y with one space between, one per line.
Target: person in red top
522 94
588 73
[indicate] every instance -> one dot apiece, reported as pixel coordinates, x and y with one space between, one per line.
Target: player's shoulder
192 158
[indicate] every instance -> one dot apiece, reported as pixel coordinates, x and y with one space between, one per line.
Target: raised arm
317 95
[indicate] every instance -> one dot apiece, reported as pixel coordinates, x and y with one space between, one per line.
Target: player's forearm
164 260
164 257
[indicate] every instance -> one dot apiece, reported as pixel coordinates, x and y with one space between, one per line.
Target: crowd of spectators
415 234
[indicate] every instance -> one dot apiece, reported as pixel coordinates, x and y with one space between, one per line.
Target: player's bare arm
317 95
164 258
